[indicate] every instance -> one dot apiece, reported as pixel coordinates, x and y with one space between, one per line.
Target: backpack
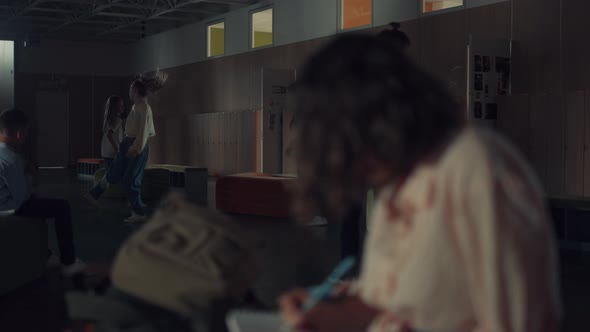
185 258
181 271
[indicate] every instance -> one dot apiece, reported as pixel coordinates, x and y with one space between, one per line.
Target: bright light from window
262 28
216 39
434 5
355 13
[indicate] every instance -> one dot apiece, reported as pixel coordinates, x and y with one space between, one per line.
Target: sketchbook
255 321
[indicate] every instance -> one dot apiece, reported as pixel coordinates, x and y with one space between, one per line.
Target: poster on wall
488 77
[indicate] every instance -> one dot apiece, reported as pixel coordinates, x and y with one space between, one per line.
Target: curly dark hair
362 96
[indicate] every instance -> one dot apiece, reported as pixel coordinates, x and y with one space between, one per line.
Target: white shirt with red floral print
464 245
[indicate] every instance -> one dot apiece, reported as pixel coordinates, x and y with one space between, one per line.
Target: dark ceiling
106 20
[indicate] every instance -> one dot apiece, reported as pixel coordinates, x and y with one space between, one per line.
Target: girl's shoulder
118 123
141 107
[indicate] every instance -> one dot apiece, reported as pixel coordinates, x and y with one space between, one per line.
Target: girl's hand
342 288
348 314
290 305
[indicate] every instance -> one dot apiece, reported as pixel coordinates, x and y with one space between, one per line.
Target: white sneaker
77 267
53 261
90 199
135 218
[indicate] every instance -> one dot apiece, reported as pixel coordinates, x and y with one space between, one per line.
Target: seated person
460 238
15 189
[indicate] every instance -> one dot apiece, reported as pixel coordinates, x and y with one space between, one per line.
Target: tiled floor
291 257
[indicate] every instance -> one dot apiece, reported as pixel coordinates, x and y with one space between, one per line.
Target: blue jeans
128 172
108 162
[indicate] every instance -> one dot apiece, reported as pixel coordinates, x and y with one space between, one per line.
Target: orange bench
255 194
86 167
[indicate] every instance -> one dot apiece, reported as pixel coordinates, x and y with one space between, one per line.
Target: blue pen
323 291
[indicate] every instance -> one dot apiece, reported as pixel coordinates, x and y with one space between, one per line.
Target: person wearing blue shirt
15 189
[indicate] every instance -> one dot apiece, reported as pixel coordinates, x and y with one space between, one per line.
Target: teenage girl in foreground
131 159
460 237
112 129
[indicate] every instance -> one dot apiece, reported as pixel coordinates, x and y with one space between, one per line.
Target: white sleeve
504 237
143 130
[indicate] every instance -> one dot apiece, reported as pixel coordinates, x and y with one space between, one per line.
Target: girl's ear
377 171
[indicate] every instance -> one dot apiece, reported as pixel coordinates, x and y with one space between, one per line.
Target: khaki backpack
185 258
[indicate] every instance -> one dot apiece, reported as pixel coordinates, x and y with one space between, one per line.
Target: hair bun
395 25
394 36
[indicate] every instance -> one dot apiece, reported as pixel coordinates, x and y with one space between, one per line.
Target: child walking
112 129
130 161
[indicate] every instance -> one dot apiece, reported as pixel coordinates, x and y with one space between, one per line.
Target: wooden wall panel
536 53
575 51
493 20
539 140
587 144
555 147
445 49
513 121
163 142
574 144
156 146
